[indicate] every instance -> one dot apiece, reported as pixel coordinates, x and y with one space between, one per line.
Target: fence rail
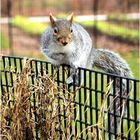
83 112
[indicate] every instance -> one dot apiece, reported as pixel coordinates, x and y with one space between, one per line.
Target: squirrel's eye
71 30
55 30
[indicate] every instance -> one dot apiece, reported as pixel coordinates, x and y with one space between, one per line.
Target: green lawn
27 26
4 41
122 18
114 30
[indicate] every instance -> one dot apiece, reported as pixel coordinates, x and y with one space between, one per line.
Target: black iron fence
38 104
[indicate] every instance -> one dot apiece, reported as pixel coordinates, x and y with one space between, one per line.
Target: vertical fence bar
8 81
20 64
3 60
41 68
2 90
135 109
80 108
128 110
15 64
69 90
74 100
115 99
4 67
15 68
46 66
64 92
90 96
11 77
85 103
5 73
96 102
52 69
121 103
102 86
108 105
102 98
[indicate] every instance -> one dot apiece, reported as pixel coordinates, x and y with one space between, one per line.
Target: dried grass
32 107
35 107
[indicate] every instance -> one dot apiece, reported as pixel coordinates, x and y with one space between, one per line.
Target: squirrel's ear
52 19
70 18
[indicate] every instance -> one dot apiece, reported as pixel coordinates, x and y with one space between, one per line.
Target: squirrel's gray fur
77 51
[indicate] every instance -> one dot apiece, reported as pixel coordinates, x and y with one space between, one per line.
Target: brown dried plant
35 111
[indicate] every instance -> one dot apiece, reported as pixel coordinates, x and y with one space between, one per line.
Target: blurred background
113 25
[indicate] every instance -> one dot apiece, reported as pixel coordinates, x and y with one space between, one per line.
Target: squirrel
67 42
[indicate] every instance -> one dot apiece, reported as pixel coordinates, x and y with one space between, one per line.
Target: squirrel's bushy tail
112 63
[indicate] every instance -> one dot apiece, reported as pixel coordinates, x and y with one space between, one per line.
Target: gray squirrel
67 42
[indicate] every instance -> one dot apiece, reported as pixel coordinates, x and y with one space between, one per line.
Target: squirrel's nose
64 43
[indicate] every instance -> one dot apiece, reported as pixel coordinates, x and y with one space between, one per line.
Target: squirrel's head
62 29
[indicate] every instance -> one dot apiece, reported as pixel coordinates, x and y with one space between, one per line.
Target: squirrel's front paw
69 80
74 66
74 80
